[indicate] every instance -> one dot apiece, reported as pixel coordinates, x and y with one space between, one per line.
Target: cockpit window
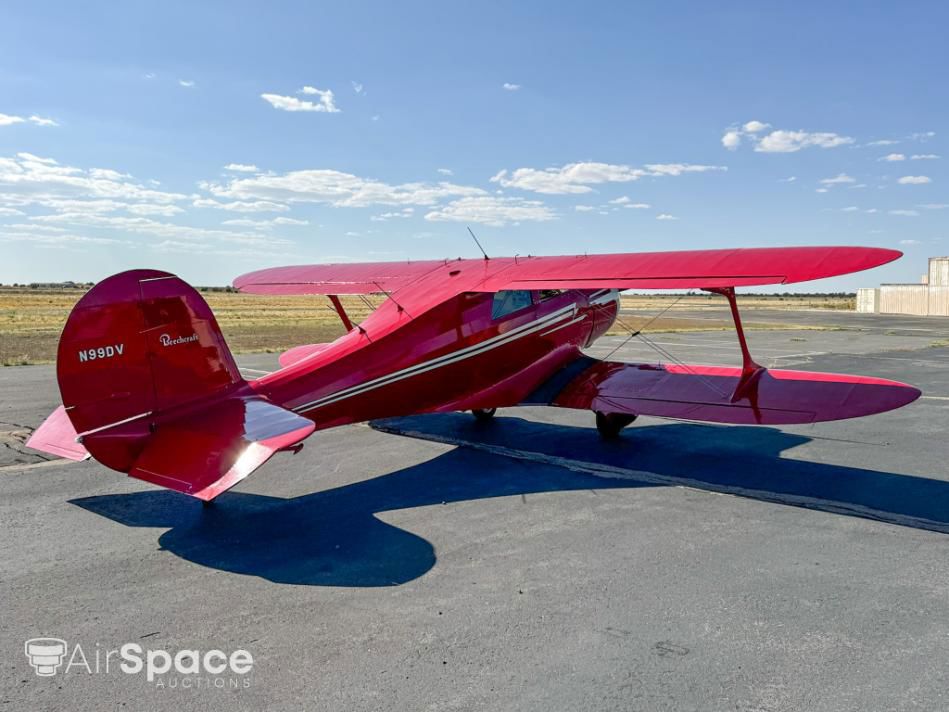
509 301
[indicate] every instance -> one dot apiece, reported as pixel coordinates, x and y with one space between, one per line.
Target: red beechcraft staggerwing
150 388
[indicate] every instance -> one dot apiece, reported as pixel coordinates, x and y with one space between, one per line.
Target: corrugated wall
904 299
939 271
868 300
939 301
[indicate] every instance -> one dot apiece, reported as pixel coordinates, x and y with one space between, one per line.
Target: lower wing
721 394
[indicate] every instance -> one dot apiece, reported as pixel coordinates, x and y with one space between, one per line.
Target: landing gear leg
483 415
611 424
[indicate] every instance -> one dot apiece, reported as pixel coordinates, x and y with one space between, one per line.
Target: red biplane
150 388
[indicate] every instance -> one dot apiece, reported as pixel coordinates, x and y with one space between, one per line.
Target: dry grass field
32 319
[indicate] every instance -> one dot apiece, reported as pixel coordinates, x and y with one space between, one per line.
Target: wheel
484 414
611 424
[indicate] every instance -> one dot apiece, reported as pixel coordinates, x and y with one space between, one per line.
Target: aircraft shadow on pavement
334 538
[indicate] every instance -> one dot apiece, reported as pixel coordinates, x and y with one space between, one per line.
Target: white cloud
241 167
146 209
8 120
253 252
731 140
905 213
850 209
358 88
924 157
789 179
246 222
43 121
264 224
404 213
575 178
90 201
909 242
677 169
60 240
149 75
871 211
33 228
92 206
839 179
638 206
666 216
921 136
893 157
446 171
492 210
755 127
821 190
152 228
337 188
933 206
242 206
26 179
584 208
780 140
914 180
326 103
511 87
622 200
187 83
792 141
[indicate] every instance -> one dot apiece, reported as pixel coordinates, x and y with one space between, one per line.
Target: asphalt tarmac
435 563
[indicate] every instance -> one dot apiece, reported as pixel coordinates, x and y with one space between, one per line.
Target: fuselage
474 350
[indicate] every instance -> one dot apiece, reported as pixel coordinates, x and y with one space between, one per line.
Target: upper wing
354 278
689 269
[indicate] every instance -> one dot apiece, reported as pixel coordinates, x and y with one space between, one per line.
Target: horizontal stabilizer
722 394
209 450
57 436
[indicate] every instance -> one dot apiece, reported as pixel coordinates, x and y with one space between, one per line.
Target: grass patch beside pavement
31 320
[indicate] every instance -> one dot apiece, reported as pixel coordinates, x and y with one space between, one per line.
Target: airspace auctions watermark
183 669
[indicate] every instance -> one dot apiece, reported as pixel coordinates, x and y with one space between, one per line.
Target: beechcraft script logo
169 341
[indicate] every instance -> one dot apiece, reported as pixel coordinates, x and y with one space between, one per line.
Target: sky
211 139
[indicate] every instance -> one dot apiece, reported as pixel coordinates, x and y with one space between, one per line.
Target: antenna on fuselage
473 237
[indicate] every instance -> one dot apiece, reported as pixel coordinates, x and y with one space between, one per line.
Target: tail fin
151 388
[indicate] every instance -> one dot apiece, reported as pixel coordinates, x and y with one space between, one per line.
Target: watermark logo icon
45 655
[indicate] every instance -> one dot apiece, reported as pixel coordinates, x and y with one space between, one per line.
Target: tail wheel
611 424
484 414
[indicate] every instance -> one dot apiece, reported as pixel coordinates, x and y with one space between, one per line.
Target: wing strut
751 371
344 317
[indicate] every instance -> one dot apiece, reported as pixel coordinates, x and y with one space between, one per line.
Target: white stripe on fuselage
444 360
